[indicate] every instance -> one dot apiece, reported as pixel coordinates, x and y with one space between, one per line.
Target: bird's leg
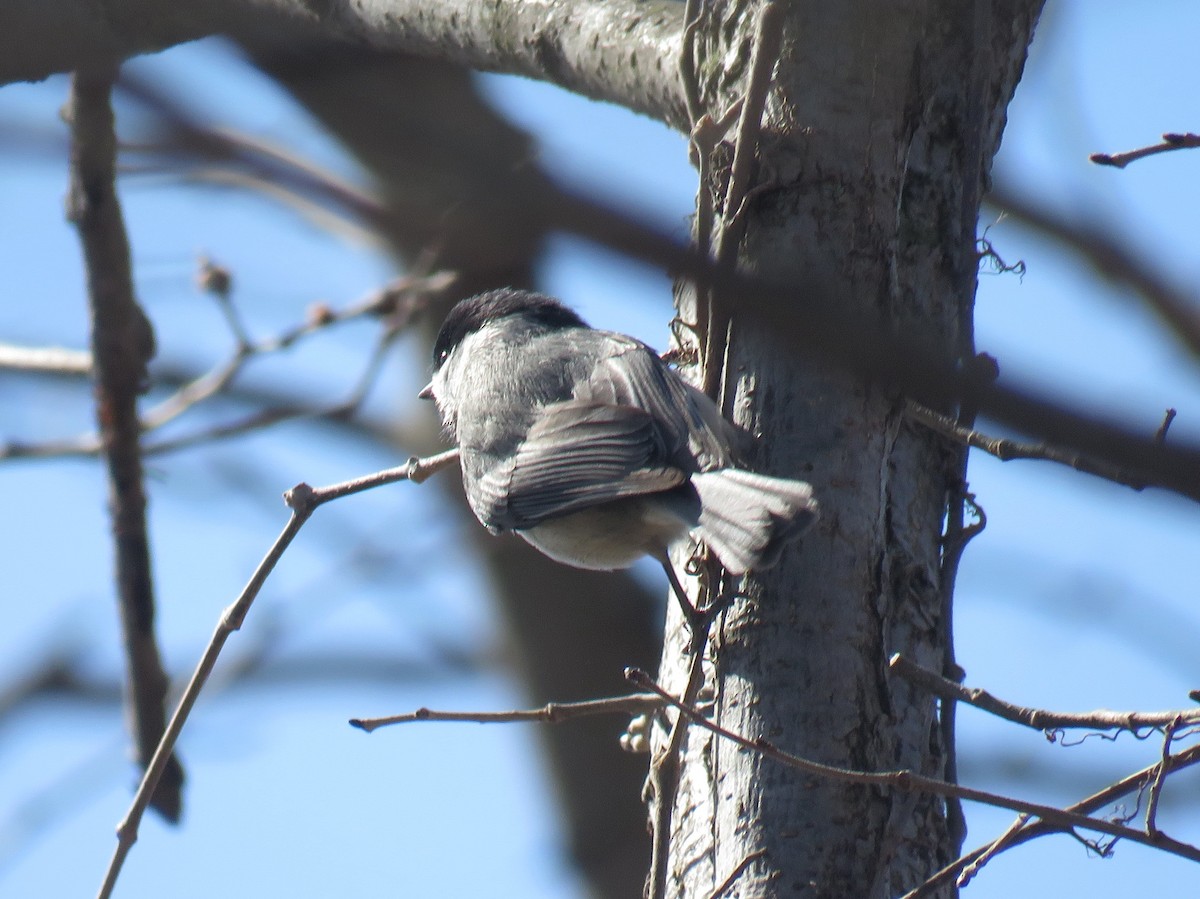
693 616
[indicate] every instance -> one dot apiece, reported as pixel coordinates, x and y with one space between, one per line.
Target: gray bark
618 50
879 132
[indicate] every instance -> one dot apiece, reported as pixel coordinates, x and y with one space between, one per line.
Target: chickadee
590 447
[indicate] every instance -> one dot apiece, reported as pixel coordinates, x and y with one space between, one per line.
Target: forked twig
910 781
664 765
1007 450
768 39
303 500
1160 777
1032 829
729 881
1038 719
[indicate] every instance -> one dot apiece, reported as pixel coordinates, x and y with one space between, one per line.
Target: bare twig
45 360
956 535
1038 719
550 713
1160 777
664 774
993 849
303 500
397 303
1160 436
1006 449
706 136
1034 829
736 873
122 344
768 38
664 766
687 62
1170 141
910 781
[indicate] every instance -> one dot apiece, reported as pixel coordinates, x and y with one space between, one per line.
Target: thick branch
1025 828
122 344
618 50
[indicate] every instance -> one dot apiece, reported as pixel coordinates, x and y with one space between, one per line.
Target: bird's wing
689 425
578 453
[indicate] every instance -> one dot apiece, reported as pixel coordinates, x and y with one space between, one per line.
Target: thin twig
993 849
122 345
1160 436
664 779
1038 719
303 500
956 535
1006 449
398 302
1171 141
665 765
45 359
401 299
1034 829
911 781
687 61
768 39
737 872
245 158
550 713
1161 777
706 136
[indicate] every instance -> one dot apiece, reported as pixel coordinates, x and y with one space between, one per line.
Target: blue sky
1079 594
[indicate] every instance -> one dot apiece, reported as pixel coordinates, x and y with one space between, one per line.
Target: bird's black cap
473 313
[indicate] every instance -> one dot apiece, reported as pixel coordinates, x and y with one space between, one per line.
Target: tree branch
303 500
45 360
1024 828
622 51
1038 719
909 781
1006 449
550 713
122 344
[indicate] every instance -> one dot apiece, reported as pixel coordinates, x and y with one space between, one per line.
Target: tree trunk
878 135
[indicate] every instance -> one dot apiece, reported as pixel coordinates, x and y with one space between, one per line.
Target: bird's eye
441 358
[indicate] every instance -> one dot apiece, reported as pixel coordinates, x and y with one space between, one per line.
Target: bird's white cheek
444 397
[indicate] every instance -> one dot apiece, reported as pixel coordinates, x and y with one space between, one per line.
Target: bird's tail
748 518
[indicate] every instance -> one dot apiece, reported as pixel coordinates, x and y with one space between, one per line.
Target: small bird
592 448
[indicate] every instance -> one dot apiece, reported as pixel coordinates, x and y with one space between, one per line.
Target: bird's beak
426 392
